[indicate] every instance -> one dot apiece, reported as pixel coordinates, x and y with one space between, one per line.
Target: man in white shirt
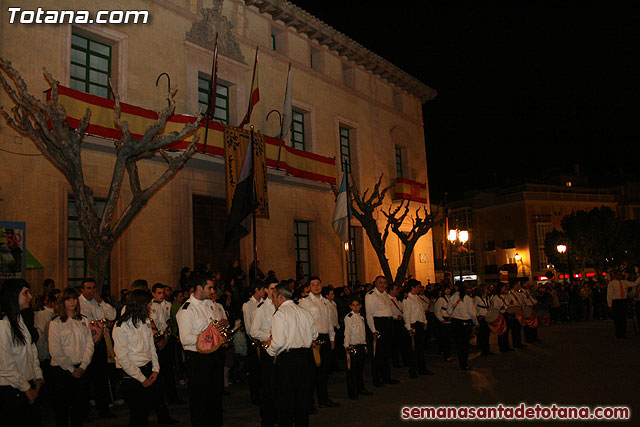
260 332
293 333
319 308
97 310
205 371
248 313
617 300
379 319
415 323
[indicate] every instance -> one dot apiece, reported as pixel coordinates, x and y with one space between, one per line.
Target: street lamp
562 249
460 237
518 259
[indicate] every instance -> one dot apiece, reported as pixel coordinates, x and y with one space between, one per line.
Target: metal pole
255 228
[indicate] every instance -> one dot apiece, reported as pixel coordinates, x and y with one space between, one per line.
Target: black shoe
331 404
378 384
365 392
391 381
425 372
168 421
107 414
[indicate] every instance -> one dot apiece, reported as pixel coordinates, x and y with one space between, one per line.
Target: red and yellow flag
254 95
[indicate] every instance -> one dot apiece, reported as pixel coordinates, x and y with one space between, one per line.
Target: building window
353 254
222 98
542 229
348 75
345 149
399 168
397 100
277 40
303 251
76 260
297 130
315 59
90 66
273 41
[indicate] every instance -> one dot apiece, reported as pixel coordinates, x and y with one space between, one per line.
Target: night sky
526 90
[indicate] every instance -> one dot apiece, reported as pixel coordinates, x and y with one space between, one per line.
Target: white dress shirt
354 333
41 321
466 310
18 363
291 327
134 347
425 302
333 315
483 304
160 314
96 311
441 306
194 317
261 324
528 299
318 306
249 312
396 307
377 304
513 299
70 343
413 311
499 302
617 289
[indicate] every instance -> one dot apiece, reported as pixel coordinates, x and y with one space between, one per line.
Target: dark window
222 98
76 259
273 41
303 250
345 148
90 66
399 169
297 130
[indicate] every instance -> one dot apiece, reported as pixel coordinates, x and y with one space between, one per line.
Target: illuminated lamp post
562 249
459 238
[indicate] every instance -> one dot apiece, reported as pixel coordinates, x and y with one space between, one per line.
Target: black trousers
321 378
97 375
530 334
380 366
503 339
619 307
416 354
70 397
167 376
444 338
253 365
516 329
483 335
267 397
15 409
205 373
140 400
293 375
462 334
398 347
355 383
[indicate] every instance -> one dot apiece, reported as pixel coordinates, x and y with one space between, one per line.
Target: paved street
576 364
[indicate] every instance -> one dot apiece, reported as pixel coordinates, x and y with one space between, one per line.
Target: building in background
349 105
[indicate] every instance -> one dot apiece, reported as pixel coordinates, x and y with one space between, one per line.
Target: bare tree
46 125
363 208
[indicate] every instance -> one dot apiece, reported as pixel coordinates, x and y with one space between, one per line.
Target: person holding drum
530 316
496 316
514 315
483 304
444 325
462 311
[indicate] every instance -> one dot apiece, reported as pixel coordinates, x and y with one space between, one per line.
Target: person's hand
425 326
154 376
333 345
223 322
399 317
98 298
147 382
376 334
412 332
39 383
32 395
78 372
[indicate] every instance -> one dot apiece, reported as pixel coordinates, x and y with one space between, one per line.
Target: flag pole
255 210
344 168
247 117
280 138
212 96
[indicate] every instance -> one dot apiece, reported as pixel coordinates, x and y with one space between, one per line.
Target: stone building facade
347 101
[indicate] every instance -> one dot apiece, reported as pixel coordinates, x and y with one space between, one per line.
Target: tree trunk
404 265
98 264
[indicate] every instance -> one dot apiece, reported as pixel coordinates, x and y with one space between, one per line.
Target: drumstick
348 361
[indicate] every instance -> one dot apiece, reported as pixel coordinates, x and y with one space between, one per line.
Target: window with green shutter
90 66
222 98
303 248
345 149
297 130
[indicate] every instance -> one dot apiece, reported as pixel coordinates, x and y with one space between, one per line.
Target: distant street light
460 237
562 249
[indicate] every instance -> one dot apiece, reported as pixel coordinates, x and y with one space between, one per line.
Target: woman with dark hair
463 314
136 355
20 373
185 277
71 349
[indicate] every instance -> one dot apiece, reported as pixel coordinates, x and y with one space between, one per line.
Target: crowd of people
286 337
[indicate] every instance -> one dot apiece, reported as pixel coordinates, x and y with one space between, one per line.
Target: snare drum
495 321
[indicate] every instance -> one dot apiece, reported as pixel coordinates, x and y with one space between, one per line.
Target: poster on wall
12 250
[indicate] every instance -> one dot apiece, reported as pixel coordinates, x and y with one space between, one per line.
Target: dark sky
525 89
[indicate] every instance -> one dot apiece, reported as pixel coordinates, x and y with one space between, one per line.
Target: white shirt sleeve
121 349
278 333
187 337
109 312
8 367
369 304
56 348
88 349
